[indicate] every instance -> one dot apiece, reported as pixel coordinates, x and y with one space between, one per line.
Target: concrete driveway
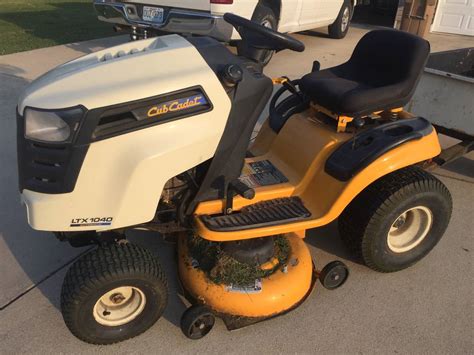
425 309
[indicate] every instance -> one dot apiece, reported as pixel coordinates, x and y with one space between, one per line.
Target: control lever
288 84
358 123
316 66
241 189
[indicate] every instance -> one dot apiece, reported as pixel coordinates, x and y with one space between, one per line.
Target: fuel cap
232 74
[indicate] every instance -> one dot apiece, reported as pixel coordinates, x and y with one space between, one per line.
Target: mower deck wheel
334 275
197 321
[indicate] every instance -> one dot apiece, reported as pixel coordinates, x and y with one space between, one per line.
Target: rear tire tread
372 205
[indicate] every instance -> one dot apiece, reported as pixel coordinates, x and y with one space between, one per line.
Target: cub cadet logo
176 105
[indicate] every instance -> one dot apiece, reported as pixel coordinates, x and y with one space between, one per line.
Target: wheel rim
345 19
335 277
119 306
201 326
267 24
409 229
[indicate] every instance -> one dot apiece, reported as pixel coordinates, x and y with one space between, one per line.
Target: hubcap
345 19
201 326
409 229
119 306
267 24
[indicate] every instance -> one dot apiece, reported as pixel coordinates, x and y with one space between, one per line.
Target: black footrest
265 213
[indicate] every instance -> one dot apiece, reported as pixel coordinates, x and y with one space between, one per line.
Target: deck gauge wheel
334 275
197 321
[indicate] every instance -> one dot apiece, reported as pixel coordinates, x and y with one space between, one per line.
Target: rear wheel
113 293
266 17
340 27
397 220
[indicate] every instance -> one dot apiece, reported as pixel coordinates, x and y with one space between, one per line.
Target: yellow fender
300 151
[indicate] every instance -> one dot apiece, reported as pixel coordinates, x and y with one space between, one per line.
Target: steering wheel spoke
262 37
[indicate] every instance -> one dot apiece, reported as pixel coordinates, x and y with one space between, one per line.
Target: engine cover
153 109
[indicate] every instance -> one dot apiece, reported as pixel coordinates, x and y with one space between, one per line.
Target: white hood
127 72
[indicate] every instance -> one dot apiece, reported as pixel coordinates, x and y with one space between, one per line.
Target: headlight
52 126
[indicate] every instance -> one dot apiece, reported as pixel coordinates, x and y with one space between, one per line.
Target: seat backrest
387 57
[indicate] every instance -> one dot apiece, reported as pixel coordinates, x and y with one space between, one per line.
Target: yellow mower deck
272 296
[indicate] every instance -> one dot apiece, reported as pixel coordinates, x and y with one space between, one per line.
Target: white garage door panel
451 20
470 24
455 16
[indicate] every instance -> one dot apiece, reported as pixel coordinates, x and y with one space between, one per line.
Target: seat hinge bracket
342 122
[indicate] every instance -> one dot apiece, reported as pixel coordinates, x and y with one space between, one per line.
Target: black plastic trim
92 133
47 167
359 152
249 99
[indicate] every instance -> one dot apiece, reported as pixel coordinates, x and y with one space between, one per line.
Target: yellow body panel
300 152
280 291
264 140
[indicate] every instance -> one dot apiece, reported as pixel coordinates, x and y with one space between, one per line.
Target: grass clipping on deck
221 268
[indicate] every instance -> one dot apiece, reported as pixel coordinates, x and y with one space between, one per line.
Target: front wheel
340 27
397 220
113 293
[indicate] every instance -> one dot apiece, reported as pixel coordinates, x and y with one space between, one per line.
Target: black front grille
47 168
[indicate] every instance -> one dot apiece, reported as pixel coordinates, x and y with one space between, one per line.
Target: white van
204 17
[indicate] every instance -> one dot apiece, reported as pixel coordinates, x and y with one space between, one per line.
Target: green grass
30 24
223 269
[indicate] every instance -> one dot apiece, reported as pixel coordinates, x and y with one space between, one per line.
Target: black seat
382 73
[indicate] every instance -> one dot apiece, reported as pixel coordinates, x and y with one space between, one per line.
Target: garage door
454 16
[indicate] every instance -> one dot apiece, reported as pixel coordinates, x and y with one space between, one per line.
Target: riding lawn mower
157 135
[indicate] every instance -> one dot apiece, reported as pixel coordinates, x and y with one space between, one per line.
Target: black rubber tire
334 275
261 14
191 316
335 30
365 222
102 270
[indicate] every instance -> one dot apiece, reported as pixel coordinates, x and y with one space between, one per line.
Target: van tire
340 27
263 15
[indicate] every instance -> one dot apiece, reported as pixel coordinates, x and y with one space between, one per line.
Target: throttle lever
288 84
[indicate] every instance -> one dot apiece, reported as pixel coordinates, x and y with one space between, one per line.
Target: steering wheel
262 37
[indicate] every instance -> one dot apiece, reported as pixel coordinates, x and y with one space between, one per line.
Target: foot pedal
262 214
